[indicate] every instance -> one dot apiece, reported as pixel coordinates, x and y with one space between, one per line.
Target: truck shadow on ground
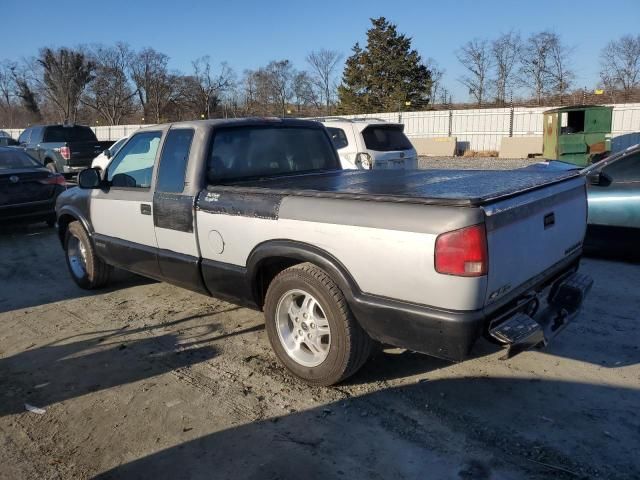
460 428
95 361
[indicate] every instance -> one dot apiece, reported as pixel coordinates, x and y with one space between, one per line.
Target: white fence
479 129
483 129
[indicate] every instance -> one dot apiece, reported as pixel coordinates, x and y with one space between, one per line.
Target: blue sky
249 33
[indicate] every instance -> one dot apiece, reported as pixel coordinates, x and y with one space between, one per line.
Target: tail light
55 179
65 152
462 252
363 160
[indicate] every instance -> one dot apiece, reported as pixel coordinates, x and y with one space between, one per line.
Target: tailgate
394 159
82 153
529 233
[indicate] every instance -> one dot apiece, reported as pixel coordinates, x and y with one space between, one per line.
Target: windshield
248 152
386 138
117 146
16 159
68 134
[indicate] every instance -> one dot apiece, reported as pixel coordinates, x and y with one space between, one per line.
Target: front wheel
87 269
311 328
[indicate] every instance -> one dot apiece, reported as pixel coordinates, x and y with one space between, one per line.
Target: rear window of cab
257 151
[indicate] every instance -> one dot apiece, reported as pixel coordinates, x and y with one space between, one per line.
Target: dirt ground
146 380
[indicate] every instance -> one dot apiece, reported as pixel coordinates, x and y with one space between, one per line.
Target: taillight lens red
462 252
55 179
65 152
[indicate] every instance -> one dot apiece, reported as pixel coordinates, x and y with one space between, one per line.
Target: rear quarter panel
386 247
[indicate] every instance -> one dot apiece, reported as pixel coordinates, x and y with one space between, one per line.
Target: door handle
145 209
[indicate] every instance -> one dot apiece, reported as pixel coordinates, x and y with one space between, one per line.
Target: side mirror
89 178
598 178
107 153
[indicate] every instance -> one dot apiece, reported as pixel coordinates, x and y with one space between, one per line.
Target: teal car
613 191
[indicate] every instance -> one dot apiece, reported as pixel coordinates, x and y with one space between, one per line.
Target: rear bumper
442 333
75 169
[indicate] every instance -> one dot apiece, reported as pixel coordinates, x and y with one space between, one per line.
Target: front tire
311 328
86 268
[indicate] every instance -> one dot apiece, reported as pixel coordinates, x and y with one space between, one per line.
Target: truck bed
435 187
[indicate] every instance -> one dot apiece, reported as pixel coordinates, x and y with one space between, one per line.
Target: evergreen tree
384 75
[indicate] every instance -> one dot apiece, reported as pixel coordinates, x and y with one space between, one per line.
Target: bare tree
65 74
475 56
620 64
559 68
303 92
323 66
149 71
7 84
110 93
209 86
436 79
505 51
534 64
278 76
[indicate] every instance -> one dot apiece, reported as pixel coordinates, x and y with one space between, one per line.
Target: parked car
62 148
102 160
371 143
260 212
614 202
613 193
6 140
28 191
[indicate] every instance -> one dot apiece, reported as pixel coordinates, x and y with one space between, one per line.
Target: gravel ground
146 380
475 163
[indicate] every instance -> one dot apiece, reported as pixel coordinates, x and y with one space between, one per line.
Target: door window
132 166
624 170
173 160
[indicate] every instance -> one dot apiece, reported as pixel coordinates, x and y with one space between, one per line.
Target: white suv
371 143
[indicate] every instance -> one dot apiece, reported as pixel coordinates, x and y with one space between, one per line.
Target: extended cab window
625 169
242 152
173 160
385 138
60 133
133 165
338 136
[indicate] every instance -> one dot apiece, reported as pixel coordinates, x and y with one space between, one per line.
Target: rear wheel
51 166
311 328
86 268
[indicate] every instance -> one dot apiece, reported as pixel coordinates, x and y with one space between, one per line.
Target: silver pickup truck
259 212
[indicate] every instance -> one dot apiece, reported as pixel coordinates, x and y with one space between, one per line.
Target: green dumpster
580 134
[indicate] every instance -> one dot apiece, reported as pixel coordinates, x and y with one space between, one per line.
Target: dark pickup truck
62 148
260 212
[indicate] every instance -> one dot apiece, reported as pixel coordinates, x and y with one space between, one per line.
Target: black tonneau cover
442 187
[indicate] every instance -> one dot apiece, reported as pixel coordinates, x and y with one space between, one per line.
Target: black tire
51 166
96 272
350 345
